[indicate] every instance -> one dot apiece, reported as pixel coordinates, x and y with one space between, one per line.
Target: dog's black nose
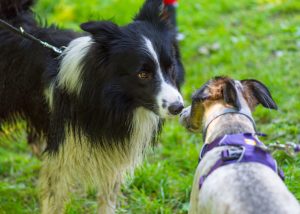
175 108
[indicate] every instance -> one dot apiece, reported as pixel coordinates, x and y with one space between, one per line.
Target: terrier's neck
232 123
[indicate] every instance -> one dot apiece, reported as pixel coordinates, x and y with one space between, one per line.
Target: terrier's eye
144 75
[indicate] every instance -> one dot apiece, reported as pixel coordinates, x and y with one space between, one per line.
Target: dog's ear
201 94
230 94
216 89
101 30
152 11
258 93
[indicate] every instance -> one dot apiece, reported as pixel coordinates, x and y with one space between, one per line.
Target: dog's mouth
169 101
171 110
191 117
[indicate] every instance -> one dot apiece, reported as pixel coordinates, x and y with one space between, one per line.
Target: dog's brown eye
144 75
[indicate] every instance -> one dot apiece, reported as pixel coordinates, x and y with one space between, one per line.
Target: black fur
11 8
23 64
261 93
110 91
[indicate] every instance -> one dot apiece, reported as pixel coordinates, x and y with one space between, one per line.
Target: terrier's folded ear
219 88
257 93
201 94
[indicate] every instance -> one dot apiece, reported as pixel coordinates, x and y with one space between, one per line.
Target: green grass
257 38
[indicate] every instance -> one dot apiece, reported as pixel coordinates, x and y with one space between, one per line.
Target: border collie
99 105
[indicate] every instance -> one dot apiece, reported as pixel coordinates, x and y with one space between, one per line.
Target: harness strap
244 148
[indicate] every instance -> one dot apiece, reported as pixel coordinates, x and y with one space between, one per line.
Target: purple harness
245 148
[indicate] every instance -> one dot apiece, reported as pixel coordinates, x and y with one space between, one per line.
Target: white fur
244 105
170 95
104 168
150 50
49 94
220 193
168 92
69 76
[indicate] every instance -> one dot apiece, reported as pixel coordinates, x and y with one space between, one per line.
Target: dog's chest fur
103 167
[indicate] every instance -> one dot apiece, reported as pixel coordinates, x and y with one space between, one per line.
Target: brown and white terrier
224 107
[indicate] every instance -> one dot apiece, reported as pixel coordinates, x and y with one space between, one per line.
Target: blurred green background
243 39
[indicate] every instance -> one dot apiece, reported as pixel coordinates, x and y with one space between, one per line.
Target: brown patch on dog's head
228 93
219 89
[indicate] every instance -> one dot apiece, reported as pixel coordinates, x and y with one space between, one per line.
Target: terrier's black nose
175 108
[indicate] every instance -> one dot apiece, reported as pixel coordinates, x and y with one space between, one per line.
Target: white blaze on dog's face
168 99
125 67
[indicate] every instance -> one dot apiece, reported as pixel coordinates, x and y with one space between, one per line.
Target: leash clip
21 32
289 148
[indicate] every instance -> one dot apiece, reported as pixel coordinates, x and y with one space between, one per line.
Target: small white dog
235 175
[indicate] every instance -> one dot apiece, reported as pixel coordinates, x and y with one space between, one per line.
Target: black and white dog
99 105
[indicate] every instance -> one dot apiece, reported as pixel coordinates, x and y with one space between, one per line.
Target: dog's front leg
36 142
54 185
107 204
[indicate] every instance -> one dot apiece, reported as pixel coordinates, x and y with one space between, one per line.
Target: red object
168 2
